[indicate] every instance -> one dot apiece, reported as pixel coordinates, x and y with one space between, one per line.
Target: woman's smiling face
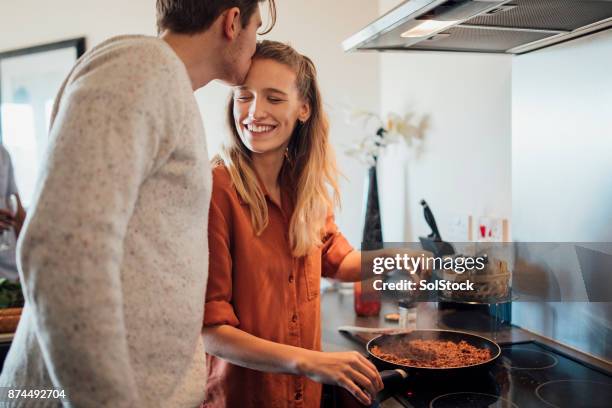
267 107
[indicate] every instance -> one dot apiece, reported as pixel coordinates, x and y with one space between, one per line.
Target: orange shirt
256 285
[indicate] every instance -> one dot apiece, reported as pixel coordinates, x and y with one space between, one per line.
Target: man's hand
7 220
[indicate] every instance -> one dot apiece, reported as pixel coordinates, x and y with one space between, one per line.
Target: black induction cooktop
528 374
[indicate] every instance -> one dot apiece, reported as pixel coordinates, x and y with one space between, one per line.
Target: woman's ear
304 113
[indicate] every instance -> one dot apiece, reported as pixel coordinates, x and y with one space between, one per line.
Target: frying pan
394 373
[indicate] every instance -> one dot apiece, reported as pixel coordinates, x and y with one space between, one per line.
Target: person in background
272 236
113 259
10 223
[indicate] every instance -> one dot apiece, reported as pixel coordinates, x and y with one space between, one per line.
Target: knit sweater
114 254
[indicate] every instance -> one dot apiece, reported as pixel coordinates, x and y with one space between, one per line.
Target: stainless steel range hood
486 26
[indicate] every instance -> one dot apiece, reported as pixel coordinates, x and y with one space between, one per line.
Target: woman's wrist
302 361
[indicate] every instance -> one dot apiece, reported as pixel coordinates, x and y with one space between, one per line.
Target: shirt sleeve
106 142
335 248
218 308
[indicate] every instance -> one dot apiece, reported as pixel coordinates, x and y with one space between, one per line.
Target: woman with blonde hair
272 236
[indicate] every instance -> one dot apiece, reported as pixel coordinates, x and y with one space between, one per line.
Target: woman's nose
256 110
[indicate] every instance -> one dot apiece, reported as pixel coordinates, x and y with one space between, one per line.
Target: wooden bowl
9 319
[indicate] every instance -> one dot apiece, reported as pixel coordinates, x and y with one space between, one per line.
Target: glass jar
407 314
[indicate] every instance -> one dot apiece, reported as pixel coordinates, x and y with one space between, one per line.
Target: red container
367 303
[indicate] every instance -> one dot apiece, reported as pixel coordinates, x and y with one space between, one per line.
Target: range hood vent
489 26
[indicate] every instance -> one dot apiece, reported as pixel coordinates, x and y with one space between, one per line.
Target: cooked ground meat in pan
431 353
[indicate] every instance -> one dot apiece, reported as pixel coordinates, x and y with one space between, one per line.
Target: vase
367 301
372 237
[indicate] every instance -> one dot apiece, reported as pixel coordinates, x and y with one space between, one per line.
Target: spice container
407 314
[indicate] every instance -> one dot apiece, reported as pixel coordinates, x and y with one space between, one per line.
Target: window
29 81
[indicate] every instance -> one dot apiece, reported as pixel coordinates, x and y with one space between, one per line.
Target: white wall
32 22
315 28
465 168
561 169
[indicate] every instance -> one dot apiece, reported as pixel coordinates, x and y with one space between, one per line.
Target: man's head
235 21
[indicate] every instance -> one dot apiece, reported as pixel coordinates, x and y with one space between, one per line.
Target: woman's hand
351 268
350 370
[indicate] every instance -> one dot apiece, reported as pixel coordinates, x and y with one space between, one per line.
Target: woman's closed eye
243 98
273 99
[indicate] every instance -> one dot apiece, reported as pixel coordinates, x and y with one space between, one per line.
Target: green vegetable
11 294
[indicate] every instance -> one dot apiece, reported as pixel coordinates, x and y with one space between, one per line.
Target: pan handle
374 330
392 378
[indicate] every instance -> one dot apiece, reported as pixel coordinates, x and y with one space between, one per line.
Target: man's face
243 50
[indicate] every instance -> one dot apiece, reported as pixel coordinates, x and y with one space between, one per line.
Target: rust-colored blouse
256 285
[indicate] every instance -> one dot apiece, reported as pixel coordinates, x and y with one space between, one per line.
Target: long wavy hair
309 163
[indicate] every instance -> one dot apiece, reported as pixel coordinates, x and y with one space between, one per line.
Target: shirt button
294 318
290 278
298 396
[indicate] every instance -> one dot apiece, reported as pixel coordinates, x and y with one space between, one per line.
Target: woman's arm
351 370
350 267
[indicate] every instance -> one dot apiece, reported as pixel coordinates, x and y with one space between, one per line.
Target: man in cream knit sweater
114 255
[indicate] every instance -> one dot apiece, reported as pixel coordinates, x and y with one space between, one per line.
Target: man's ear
304 114
231 23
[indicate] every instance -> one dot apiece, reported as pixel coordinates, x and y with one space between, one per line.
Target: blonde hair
309 163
